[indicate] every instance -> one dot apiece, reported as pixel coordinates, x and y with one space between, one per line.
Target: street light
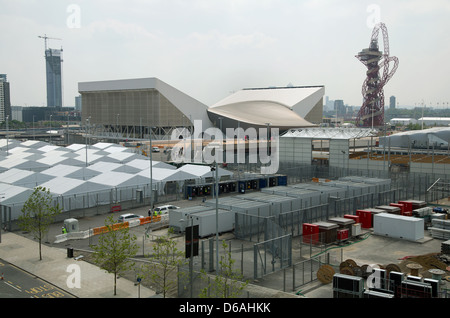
34 133
117 127
51 128
151 169
7 136
86 138
1 216
191 254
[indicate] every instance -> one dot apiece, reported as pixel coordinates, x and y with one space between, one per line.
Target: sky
209 49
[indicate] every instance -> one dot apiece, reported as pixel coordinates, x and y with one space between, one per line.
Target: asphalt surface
24 272
17 283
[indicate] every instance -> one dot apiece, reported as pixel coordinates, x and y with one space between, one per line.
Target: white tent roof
127 169
76 147
77 162
60 170
166 175
33 165
48 148
145 163
203 171
33 144
11 162
119 179
103 145
62 185
11 194
63 170
12 175
83 173
51 160
91 156
104 166
122 156
24 178
11 143
23 154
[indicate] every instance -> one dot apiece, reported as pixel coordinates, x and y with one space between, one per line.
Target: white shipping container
178 218
398 226
206 222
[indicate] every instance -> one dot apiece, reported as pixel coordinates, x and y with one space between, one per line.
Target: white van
163 209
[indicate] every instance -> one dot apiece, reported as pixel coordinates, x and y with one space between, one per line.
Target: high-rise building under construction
53 60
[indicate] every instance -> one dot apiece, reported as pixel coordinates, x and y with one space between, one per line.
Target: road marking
7 283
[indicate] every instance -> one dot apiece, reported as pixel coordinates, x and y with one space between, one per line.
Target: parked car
155 149
163 209
129 216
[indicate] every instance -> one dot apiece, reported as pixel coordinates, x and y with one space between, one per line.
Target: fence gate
272 255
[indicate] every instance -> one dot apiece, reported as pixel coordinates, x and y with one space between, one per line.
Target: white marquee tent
112 174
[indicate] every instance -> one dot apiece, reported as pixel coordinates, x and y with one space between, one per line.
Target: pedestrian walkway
55 268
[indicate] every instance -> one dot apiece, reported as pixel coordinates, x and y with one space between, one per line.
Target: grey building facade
132 107
5 99
53 60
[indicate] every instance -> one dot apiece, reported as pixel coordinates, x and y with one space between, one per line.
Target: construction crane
45 37
372 110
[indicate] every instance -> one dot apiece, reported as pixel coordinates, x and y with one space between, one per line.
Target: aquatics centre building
133 107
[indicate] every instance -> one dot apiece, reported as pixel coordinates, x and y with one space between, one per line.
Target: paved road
17 283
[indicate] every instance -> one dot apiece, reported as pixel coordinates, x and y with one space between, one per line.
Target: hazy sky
210 48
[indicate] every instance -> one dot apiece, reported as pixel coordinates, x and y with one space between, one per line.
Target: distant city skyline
208 49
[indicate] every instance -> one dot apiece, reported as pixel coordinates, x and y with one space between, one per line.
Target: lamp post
86 139
51 128
1 216
7 136
117 127
151 169
217 217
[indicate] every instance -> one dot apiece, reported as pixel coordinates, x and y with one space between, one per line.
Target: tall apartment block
5 101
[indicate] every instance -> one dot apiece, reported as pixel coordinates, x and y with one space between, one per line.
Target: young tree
115 246
227 283
163 270
38 213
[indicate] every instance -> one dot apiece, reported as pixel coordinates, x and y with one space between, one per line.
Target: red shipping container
408 205
342 234
365 217
310 233
353 217
399 205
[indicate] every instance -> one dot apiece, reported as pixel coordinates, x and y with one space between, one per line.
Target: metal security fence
92 203
292 221
199 274
272 255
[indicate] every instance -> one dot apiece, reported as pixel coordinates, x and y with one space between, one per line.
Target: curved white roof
287 96
284 107
259 113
